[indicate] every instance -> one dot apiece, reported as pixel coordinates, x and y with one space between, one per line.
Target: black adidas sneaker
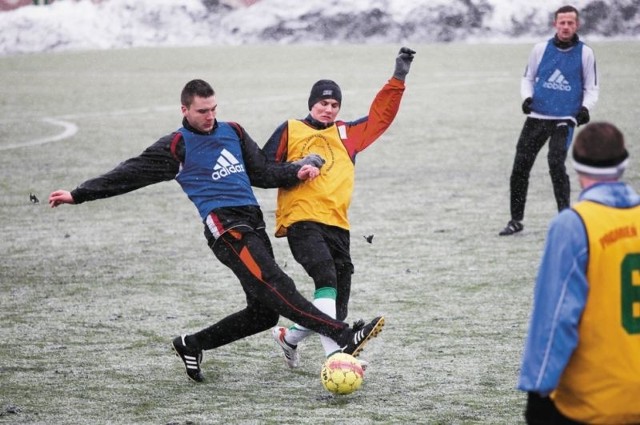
512 227
190 357
361 334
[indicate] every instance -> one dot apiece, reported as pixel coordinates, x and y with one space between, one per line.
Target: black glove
311 159
403 63
526 106
583 116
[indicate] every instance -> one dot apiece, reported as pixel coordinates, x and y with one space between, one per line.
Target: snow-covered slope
66 25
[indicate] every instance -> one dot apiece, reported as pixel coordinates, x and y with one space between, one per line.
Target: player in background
216 163
559 88
581 362
314 217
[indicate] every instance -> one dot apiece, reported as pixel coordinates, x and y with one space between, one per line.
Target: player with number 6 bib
581 362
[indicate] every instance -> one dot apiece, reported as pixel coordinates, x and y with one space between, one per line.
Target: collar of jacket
316 124
565 44
188 126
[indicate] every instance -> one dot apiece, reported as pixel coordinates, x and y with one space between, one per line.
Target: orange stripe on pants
251 264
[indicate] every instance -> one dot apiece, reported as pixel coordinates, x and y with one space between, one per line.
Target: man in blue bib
559 88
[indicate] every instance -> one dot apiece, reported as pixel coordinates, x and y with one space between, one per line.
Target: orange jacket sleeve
364 131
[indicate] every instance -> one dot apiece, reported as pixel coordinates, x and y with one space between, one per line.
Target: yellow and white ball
341 374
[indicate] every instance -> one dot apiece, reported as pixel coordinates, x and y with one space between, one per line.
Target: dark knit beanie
324 89
599 151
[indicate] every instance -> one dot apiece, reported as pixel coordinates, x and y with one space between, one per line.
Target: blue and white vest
558 89
213 174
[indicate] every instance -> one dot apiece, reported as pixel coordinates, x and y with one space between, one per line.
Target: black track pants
533 136
324 253
542 411
269 292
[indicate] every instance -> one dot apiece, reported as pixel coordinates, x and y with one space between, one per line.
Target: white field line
70 128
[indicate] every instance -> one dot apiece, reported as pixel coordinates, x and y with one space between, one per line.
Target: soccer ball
341 374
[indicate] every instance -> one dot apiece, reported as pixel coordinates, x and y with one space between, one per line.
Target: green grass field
92 295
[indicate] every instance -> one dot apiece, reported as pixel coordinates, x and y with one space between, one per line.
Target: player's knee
557 171
344 269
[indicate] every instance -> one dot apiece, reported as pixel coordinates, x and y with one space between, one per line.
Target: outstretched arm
155 164
383 110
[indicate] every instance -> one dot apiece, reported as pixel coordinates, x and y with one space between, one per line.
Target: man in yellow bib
314 217
581 362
